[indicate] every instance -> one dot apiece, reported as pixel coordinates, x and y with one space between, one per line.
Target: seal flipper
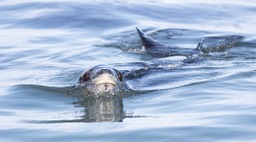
198 50
147 42
200 45
193 56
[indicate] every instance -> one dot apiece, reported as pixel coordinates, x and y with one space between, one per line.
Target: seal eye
86 77
120 76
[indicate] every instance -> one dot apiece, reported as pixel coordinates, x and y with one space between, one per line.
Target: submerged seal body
159 50
103 79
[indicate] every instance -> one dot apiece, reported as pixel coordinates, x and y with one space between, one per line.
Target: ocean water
48 44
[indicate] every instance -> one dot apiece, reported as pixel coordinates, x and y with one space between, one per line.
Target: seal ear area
146 41
120 76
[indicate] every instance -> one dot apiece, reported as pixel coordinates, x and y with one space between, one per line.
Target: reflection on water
96 108
102 108
108 108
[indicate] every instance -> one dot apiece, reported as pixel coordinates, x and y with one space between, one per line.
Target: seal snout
102 78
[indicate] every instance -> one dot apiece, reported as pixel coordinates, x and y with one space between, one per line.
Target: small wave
80 91
221 43
66 90
83 120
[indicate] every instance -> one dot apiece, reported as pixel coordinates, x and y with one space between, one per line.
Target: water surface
50 43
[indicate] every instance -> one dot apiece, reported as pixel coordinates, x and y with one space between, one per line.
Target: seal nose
101 72
105 71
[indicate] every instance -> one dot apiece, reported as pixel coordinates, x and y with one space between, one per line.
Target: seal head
103 79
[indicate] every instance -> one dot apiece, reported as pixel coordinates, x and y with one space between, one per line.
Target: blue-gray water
52 43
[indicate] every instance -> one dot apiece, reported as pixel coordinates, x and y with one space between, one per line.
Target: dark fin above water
158 50
147 42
